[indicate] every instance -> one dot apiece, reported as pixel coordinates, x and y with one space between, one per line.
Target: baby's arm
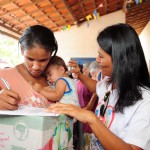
54 94
48 89
37 87
43 91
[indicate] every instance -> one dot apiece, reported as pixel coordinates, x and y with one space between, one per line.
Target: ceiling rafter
16 15
47 16
6 2
83 9
6 31
105 4
20 7
63 18
94 5
6 22
72 15
34 12
26 14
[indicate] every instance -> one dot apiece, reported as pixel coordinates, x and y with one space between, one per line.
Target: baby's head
55 69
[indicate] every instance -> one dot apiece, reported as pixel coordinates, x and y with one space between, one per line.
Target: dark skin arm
104 135
92 102
52 94
9 100
88 82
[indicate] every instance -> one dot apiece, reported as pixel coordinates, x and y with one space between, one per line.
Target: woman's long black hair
38 35
130 70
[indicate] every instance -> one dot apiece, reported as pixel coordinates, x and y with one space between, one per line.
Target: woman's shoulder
16 69
8 71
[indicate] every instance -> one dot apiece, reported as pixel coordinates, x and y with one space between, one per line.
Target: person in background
85 69
94 70
121 120
38 45
84 97
83 93
65 89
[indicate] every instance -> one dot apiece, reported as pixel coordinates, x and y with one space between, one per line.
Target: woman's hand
8 100
99 129
88 82
74 68
80 114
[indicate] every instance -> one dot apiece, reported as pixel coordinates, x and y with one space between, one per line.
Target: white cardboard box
36 132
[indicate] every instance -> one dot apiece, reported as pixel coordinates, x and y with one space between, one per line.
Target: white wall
145 41
81 41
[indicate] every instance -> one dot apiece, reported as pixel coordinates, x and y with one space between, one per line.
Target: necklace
30 82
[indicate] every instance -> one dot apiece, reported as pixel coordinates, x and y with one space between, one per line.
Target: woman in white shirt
122 120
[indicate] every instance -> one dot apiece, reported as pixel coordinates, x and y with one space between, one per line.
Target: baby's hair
58 61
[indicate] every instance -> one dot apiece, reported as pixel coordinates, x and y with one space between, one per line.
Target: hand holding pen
6 83
9 99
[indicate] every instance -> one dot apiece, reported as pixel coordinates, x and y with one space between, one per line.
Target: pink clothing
84 97
18 84
83 93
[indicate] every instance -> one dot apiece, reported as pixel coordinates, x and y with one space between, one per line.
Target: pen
6 83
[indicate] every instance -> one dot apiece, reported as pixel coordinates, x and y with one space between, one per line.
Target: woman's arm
108 140
92 102
88 82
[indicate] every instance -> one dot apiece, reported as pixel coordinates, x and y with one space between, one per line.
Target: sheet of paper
28 111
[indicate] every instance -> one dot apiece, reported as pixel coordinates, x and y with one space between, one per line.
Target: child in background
65 89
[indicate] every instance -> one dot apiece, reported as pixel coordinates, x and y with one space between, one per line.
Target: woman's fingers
8 100
74 68
72 63
8 103
71 110
60 108
7 106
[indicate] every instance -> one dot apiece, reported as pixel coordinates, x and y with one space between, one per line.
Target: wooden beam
20 7
9 35
5 2
141 24
137 19
4 27
70 11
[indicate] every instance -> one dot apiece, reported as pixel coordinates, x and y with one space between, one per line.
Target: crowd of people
110 97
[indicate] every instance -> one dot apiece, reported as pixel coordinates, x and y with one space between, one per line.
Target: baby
65 88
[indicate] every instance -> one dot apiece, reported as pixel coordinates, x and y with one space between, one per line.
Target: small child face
53 72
